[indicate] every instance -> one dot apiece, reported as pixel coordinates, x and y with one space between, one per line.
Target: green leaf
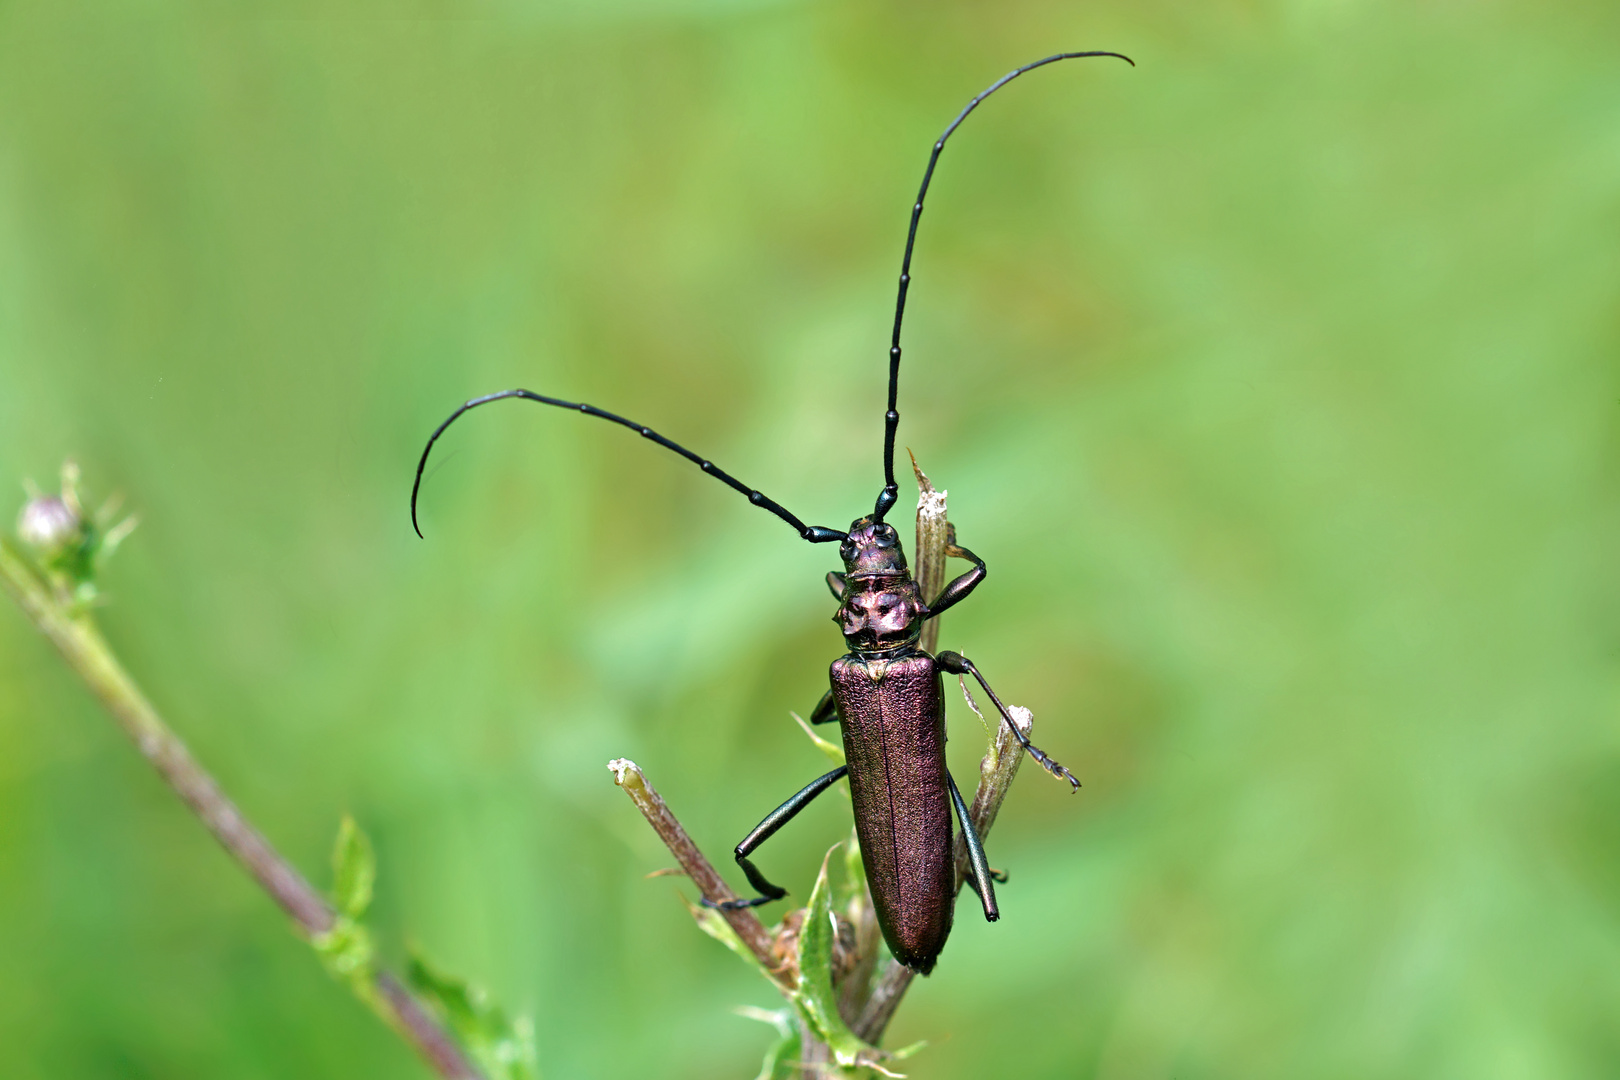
854 869
348 952
714 924
816 998
354 870
782 1059
503 1049
831 749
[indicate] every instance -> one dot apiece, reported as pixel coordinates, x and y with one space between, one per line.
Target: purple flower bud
47 523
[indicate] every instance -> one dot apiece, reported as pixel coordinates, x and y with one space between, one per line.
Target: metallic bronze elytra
887 691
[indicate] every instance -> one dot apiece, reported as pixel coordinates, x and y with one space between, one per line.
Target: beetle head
880 608
872 549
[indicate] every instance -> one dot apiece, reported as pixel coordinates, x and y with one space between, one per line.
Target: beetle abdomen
893 719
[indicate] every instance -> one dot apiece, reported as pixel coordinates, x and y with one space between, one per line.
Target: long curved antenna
816 534
891 419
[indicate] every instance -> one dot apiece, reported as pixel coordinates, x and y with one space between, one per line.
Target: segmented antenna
816 534
891 419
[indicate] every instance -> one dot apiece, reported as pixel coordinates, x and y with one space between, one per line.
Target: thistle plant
50 569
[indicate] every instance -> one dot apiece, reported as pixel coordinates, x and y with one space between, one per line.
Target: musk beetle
886 692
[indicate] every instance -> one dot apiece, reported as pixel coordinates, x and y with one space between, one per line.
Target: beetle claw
738 904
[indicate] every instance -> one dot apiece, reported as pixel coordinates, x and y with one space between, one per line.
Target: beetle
886 693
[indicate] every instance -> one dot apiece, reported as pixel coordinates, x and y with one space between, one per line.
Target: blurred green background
1275 379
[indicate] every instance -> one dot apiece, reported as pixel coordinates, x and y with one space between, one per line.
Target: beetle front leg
957 589
764 831
957 664
835 582
826 710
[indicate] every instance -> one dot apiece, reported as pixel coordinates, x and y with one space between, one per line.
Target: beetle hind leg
980 876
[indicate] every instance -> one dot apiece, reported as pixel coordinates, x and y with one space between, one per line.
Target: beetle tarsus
738 904
957 664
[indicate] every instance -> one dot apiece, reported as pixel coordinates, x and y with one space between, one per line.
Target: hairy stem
88 654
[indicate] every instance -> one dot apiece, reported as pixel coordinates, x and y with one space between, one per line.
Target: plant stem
87 653
934 535
711 886
814 1054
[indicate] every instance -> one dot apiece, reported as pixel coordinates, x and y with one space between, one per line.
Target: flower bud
47 523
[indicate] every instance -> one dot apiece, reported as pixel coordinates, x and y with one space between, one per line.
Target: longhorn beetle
886 693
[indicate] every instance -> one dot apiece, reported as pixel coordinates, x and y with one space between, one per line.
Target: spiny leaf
503 1049
354 870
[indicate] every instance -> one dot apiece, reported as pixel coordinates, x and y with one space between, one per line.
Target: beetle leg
764 831
826 710
957 664
835 582
997 876
958 588
980 877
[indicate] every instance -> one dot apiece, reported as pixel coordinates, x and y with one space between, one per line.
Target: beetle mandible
886 692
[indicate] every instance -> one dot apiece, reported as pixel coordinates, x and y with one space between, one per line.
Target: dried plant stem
713 888
934 535
814 1054
86 651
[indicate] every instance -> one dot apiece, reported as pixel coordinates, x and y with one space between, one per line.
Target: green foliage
711 922
1274 379
354 870
347 949
831 749
816 999
782 1056
504 1049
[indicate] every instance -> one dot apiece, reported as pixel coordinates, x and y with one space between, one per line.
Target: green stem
87 653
